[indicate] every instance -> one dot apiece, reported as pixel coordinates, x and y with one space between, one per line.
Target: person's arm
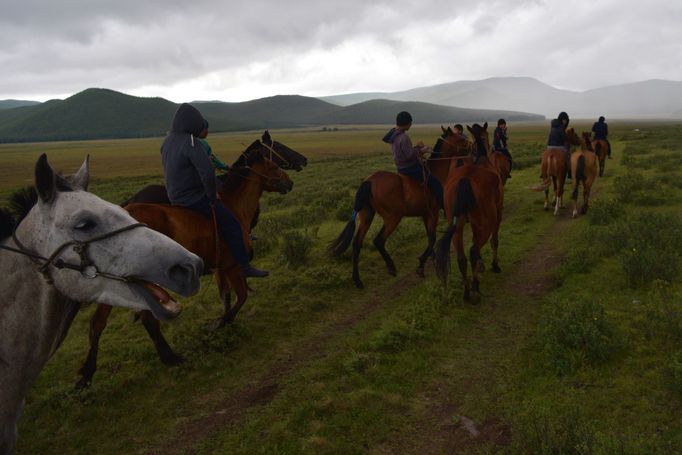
201 162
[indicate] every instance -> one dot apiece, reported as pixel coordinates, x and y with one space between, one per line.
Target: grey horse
72 247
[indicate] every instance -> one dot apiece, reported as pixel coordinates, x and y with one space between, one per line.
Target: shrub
604 211
296 246
559 430
574 334
675 370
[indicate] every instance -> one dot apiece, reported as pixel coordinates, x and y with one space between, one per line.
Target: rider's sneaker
249 271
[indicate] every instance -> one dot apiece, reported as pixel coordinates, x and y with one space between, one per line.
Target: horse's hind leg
494 244
458 241
98 323
153 327
365 221
380 242
430 223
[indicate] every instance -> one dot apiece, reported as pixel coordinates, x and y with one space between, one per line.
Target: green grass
394 367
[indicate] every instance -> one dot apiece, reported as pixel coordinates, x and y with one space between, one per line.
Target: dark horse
240 190
473 194
393 197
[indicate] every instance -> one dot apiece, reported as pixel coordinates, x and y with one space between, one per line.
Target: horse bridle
87 266
469 147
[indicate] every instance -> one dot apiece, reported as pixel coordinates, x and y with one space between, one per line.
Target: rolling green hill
106 114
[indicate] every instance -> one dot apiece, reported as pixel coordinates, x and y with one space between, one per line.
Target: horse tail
442 253
579 175
464 203
363 198
465 200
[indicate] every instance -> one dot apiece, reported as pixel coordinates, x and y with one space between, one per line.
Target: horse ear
266 137
81 179
443 128
470 130
485 126
45 180
450 130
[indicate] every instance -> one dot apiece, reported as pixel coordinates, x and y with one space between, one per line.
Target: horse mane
478 129
230 181
7 223
22 201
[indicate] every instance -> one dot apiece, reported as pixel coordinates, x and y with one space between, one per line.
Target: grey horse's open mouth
160 303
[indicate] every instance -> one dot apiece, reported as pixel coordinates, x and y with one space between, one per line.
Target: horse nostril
186 275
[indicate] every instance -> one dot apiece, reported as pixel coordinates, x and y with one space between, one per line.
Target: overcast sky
239 50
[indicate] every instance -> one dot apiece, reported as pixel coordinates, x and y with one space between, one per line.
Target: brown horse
394 196
240 190
554 166
474 194
584 169
601 148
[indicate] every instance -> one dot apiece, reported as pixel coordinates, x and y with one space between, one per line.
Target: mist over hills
640 99
107 114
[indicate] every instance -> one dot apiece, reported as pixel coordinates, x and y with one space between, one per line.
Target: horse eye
85 225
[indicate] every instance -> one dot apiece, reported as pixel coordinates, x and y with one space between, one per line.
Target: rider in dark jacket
500 141
557 137
191 182
601 131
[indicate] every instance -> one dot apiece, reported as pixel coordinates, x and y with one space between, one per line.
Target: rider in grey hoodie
190 181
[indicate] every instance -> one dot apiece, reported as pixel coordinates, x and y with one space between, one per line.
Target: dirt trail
265 389
442 427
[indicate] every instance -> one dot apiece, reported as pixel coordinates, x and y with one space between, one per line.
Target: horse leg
241 290
98 323
494 244
458 240
476 261
586 195
547 198
365 221
380 242
558 192
602 164
574 196
430 223
223 288
153 327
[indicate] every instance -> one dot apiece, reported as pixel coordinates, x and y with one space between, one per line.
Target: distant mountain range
106 114
10 104
641 99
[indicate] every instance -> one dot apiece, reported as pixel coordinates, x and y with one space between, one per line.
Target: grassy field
576 346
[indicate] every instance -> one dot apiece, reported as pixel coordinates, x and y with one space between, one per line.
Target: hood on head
391 135
188 119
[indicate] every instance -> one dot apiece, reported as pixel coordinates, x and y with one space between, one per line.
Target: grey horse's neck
30 309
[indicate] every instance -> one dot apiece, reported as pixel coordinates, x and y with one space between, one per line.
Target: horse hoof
172 360
217 324
496 268
392 271
420 272
83 383
359 285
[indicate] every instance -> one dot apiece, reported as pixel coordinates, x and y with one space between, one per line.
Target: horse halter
273 151
87 266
